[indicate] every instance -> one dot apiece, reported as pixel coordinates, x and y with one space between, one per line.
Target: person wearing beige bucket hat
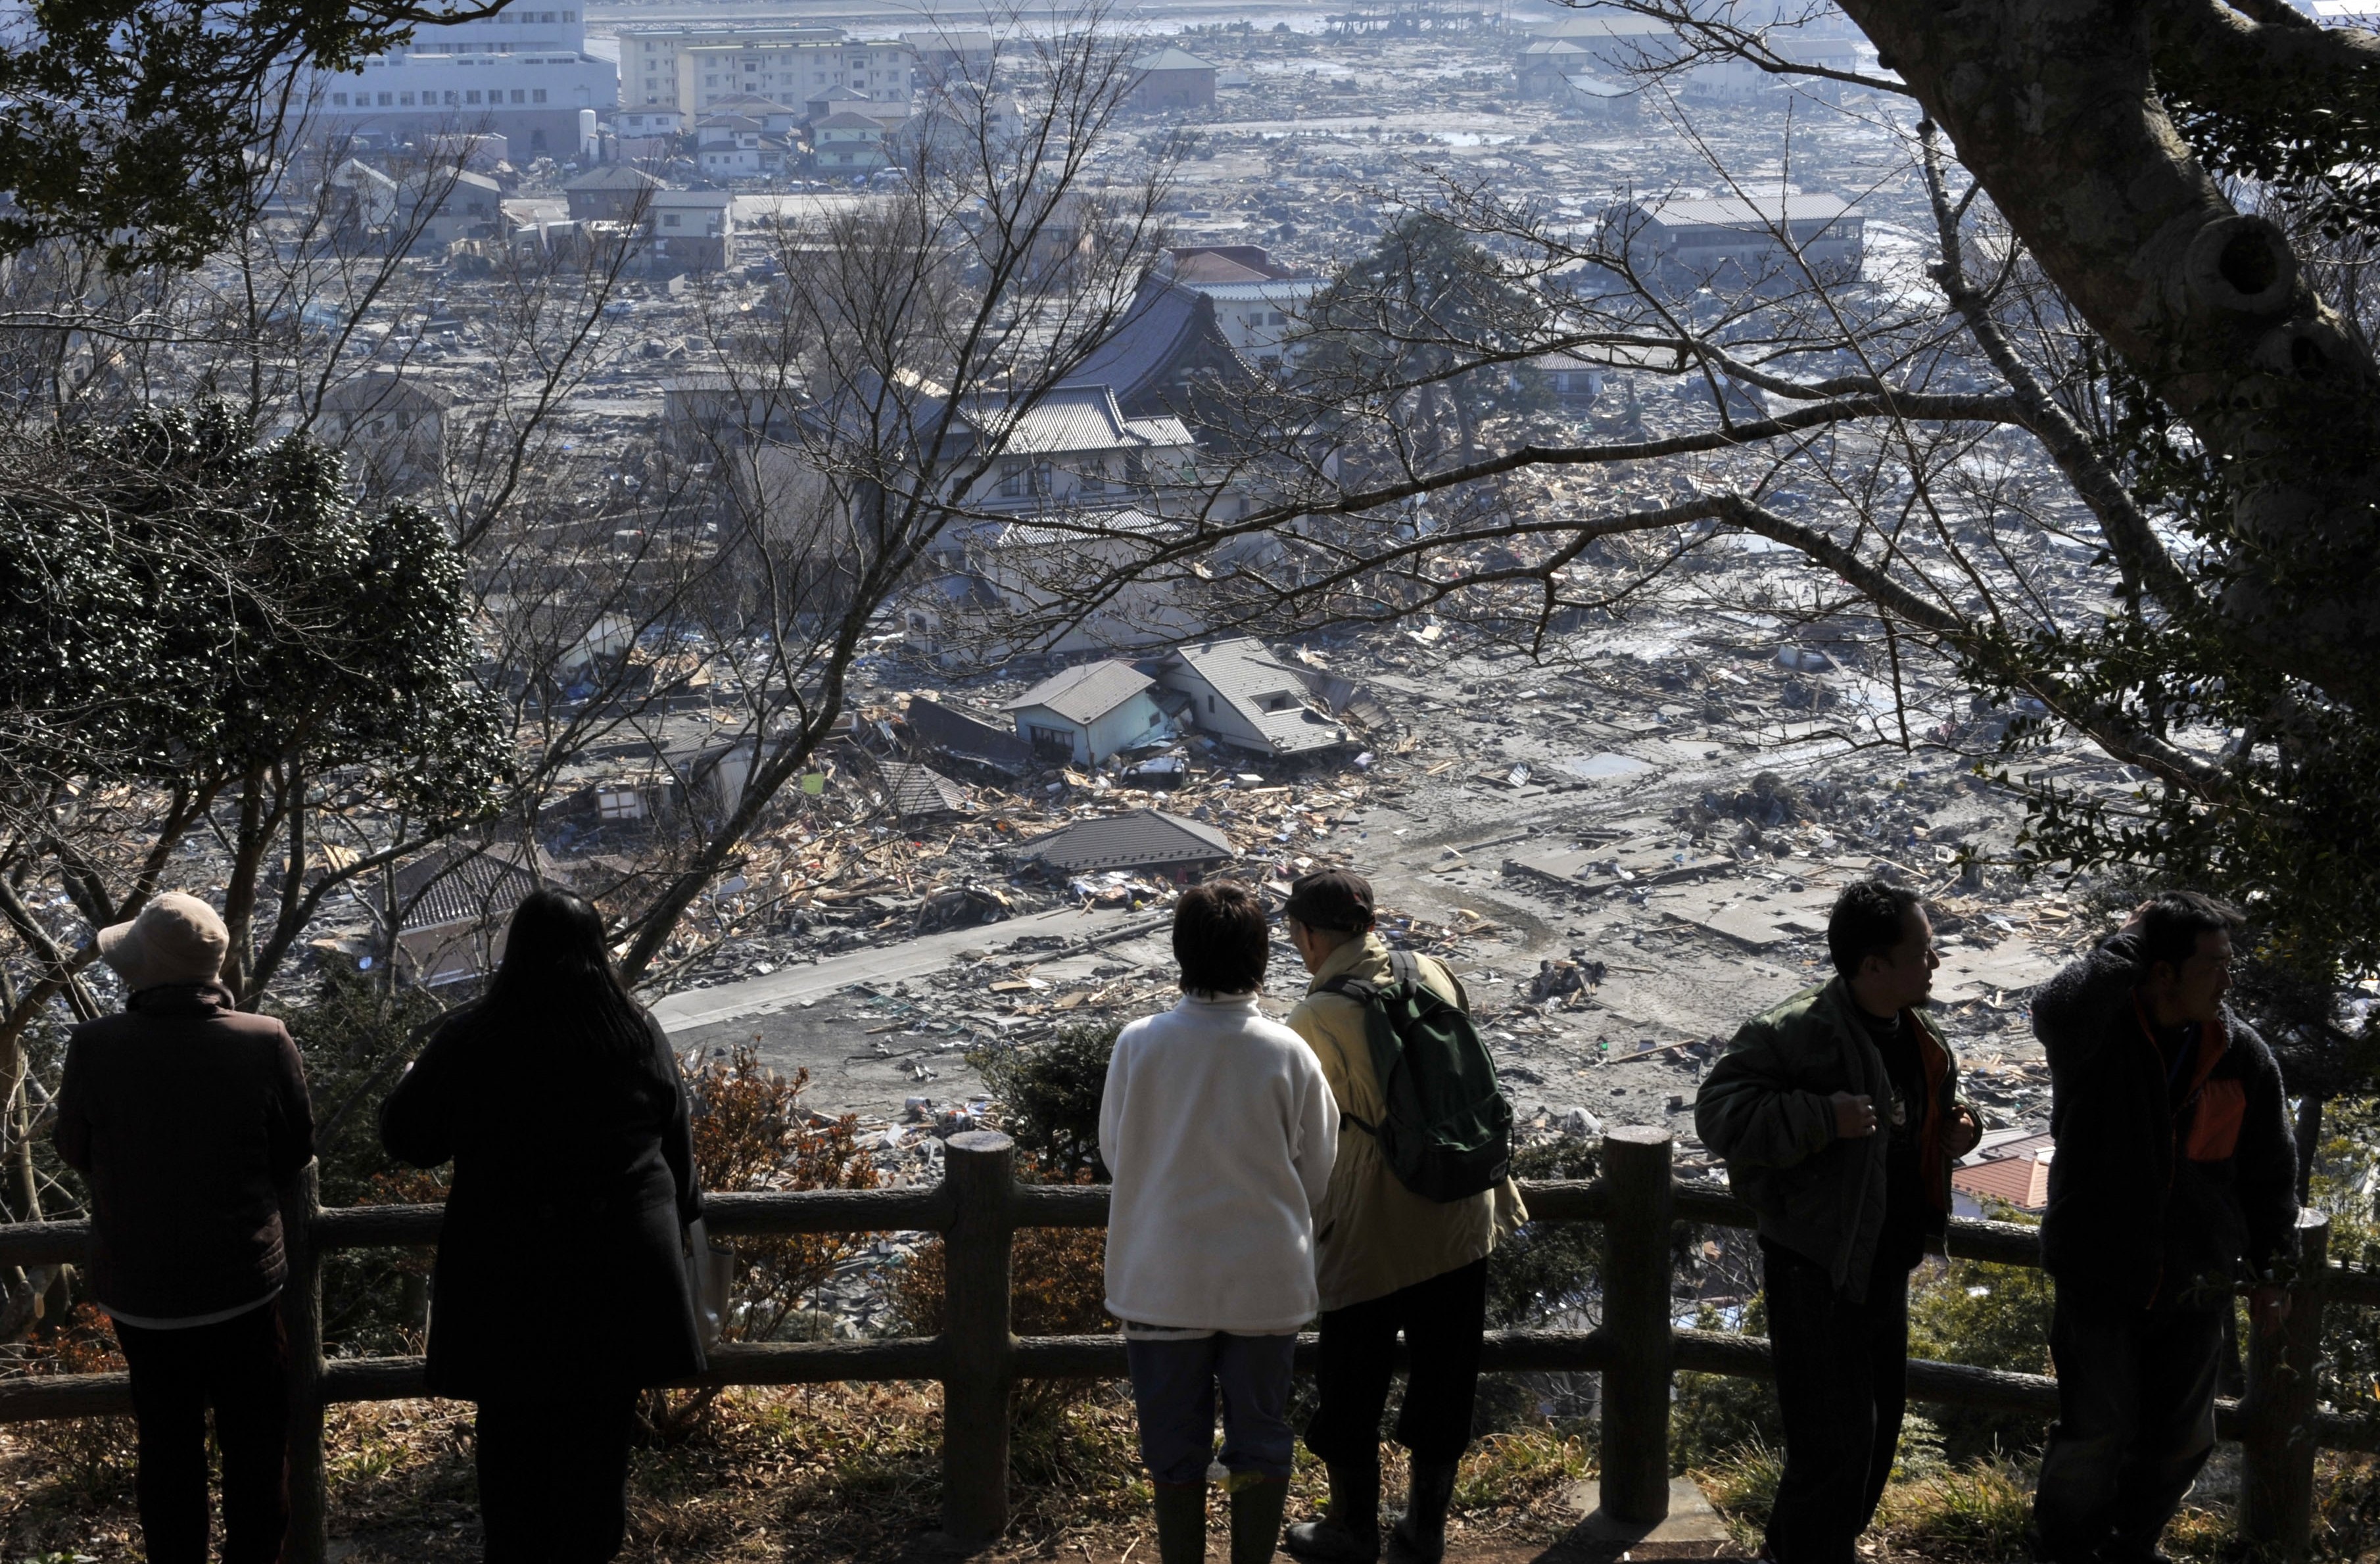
185 1117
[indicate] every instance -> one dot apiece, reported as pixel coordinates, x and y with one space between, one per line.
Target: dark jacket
185 1117
1764 1108
561 1258
2149 1203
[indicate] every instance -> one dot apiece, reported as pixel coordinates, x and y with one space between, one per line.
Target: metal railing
979 1205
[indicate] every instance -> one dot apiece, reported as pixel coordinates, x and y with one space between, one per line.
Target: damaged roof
1268 696
1144 838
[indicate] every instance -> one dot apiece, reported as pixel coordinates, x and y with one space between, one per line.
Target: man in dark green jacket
1836 1113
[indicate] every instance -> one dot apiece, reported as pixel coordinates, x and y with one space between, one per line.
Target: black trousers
1843 1384
2135 1424
554 1473
241 1367
1442 1320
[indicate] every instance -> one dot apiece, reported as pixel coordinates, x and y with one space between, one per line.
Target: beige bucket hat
176 938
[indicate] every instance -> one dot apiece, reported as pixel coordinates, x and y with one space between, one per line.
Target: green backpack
1448 1132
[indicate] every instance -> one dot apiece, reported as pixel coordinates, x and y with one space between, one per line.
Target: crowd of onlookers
1345 1170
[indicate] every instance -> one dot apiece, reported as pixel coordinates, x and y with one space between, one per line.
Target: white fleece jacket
1220 1131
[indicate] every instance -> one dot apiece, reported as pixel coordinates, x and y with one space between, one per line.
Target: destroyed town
903 521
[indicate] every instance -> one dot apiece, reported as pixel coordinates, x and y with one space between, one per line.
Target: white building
1260 305
698 67
1742 242
522 74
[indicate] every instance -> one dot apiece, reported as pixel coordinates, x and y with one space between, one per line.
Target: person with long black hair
559 1289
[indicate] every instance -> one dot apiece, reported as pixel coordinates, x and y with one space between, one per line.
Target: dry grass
829 1473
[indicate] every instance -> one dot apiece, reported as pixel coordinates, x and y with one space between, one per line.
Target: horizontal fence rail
979 1206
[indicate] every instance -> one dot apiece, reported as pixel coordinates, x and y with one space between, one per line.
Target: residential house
614 193
1258 304
959 737
1089 713
1144 841
847 144
732 146
442 205
363 200
654 124
2009 1170
692 230
1173 80
828 101
1243 697
452 905
775 118
392 429
1545 65
956 127
1738 242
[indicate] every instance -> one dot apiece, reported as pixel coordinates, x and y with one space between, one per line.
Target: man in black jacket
2175 1179
187 1116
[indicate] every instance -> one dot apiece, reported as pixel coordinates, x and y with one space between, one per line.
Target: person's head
2185 955
557 973
175 939
1883 945
1325 910
1219 939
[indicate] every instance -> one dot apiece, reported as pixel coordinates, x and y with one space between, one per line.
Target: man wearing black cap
1385 1259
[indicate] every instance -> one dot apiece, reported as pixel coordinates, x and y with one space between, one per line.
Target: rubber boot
1181 1523
1420 1537
1349 1532
1256 1506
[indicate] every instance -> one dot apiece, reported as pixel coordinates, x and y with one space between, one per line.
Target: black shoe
1350 1532
1420 1537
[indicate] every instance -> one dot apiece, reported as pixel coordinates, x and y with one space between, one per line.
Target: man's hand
1965 1133
1854 1115
2268 1309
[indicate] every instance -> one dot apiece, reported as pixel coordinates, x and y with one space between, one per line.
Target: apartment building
695 68
522 74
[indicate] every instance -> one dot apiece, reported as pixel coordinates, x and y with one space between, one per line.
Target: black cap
1334 899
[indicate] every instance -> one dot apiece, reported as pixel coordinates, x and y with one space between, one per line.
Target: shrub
1718 1419
1051 1092
1990 1316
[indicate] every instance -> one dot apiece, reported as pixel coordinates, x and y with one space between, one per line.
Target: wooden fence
979 1206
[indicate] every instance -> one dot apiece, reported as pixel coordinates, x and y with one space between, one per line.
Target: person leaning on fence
1836 1113
561 1286
2175 1178
1389 1258
186 1117
1218 1132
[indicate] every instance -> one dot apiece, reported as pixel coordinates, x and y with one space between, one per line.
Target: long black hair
556 979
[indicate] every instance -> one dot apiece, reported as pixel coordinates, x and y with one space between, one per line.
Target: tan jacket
1372 1234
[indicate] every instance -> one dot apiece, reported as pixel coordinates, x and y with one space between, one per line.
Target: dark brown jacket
185 1116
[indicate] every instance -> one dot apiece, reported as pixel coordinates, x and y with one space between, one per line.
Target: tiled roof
2021 1182
1144 838
615 176
920 790
1085 692
1158 327
1077 417
464 884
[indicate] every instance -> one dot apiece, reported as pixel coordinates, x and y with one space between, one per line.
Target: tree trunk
2052 106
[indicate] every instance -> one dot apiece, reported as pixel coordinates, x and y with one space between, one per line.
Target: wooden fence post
979 1349
1637 1313
2277 1450
309 1537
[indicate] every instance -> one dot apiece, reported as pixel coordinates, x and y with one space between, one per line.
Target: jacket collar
1191 1001
1347 958
182 999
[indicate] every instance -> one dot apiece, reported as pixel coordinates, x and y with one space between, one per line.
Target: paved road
689 1009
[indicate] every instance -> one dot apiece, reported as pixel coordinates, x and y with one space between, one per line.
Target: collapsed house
1145 841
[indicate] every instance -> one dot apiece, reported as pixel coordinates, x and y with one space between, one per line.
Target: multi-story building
697 67
521 74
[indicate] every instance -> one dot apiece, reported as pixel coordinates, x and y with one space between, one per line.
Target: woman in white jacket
1219 1129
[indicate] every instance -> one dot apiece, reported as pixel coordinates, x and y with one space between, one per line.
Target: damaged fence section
979 1205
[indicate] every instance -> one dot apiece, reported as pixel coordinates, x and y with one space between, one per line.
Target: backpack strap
1363 994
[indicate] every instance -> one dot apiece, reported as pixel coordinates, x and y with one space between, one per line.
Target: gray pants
2135 1424
1173 1385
